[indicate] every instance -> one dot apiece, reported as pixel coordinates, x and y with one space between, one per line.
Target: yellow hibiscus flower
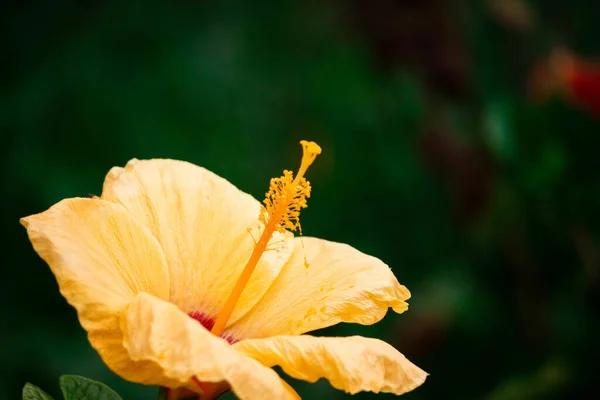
182 280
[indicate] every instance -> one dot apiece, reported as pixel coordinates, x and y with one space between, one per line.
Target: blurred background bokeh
460 146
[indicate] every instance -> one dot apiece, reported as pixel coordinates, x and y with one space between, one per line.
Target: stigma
281 211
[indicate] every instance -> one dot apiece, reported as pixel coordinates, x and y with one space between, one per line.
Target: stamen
249 230
284 200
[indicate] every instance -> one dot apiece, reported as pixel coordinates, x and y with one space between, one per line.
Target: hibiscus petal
173 349
352 364
341 284
102 258
201 220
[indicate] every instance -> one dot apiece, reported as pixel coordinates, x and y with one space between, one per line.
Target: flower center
284 200
208 323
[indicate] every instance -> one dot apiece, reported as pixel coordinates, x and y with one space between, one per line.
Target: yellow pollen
284 200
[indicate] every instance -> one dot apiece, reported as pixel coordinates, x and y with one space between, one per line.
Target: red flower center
208 322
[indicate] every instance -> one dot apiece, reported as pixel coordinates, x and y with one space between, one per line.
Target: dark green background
485 204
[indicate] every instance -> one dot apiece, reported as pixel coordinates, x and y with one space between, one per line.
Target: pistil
283 202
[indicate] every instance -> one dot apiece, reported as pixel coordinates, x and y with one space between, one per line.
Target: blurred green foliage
436 160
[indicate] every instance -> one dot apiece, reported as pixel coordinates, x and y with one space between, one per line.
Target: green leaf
79 388
32 392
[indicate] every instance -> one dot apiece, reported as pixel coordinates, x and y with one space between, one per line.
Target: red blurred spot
575 78
580 80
